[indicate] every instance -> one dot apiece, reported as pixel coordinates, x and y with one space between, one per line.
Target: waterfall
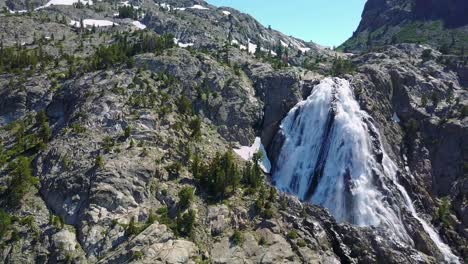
331 155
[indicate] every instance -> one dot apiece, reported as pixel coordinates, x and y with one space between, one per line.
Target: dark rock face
436 22
452 12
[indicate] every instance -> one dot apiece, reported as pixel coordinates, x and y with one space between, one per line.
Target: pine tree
258 51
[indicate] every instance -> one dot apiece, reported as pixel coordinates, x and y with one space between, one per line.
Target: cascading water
331 155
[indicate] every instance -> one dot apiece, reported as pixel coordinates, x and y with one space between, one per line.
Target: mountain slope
115 140
442 24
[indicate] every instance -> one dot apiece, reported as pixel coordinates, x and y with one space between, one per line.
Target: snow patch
185 45
165 6
199 7
252 48
138 24
93 22
304 50
246 153
182 45
17 11
227 13
64 2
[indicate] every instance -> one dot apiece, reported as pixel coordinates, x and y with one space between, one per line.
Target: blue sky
326 22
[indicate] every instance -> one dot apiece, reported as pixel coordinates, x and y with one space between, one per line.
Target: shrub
195 127
5 223
293 234
185 223
99 163
3 157
56 221
108 143
127 132
164 218
132 228
185 106
45 133
151 218
262 241
268 213
237 238
185 197
301 243
137 255
426 55
342 66
443 212
174 169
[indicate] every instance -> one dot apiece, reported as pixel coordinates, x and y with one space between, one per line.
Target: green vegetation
5 223
56 221
443 213
426 55
21 180
195 128
182 225
108 143
252 173
132 228
341 66
185 223
174 169
237 238
99 162
128 11
449 41
301 243
15 59
127 132
184 106
185 197
137 255
278 61
220 177
123 50
293 234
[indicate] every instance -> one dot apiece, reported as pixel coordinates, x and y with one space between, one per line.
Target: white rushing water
331 155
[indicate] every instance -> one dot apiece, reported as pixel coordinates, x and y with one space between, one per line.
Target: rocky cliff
104 128
442 24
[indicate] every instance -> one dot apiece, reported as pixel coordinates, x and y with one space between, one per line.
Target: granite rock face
120 145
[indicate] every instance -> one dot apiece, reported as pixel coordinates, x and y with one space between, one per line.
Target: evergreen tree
258 51
21 180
